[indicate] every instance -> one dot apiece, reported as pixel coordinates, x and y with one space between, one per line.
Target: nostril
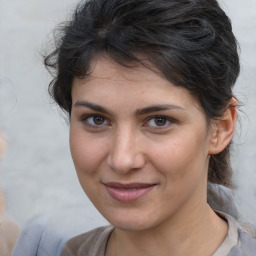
124 163
120 163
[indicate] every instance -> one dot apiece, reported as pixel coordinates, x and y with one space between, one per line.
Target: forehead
105 67
141 83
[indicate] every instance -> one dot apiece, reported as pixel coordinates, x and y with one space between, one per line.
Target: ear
223 129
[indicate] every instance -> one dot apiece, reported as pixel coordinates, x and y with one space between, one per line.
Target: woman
147 86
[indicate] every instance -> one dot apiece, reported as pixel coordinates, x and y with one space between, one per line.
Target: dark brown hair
190 42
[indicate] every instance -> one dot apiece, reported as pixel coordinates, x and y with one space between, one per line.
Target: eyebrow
142 111
92 106
157 108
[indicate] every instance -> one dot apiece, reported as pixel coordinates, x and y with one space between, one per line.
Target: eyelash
85 120
169 121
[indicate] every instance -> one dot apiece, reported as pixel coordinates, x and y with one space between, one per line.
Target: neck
198 233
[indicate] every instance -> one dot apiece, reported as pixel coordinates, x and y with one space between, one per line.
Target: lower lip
128 195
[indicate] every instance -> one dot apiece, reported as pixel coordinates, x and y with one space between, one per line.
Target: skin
130 125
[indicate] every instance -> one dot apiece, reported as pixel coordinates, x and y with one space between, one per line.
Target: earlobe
223 129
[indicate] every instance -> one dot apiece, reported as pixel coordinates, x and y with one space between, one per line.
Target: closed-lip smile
127 192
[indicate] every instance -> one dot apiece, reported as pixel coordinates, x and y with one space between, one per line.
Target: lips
127 192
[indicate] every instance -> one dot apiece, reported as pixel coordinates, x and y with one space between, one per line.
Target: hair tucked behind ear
218 163
190 42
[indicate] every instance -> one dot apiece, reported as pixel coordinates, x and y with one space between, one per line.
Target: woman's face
140 146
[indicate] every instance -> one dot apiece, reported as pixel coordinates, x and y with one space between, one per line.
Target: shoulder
246 240
241 238
40 237
30 237
93 242
47 233
9 232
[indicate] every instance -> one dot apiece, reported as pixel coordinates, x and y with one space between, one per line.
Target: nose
125 153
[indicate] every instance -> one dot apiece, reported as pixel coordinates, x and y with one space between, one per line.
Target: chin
131 222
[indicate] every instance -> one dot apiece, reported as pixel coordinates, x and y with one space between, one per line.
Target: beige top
94 243
233 238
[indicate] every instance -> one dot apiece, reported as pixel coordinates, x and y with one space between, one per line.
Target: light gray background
37 173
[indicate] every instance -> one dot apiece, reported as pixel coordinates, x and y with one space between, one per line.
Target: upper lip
119 185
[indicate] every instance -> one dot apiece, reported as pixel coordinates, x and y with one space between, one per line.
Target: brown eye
160 121
94 121
98 120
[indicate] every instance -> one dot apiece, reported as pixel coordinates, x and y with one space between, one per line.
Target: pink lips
127 192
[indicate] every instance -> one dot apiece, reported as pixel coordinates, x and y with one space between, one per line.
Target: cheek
87 154
182 156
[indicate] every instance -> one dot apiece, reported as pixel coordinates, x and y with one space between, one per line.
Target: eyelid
168 119
87 116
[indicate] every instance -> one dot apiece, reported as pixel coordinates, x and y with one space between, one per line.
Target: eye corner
159 122
94 121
